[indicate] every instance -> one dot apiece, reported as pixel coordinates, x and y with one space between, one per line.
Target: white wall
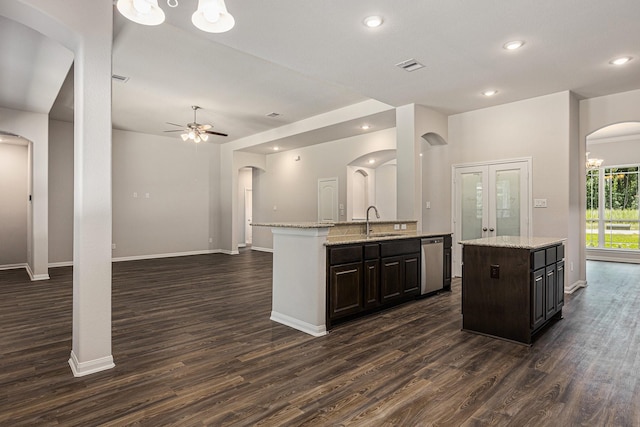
292 186
13 204
386 190
539 128
617 152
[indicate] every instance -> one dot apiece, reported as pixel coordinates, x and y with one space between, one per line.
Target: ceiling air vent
121 79
272 115
410 65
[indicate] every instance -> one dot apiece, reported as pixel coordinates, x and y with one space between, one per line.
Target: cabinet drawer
399 247
538 259
560 252
345 254
372 251
551 255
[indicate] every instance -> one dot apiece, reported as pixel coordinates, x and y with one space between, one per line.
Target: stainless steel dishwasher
432 276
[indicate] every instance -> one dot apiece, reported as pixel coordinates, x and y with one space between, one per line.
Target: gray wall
181 180
292 186
13 204
60 192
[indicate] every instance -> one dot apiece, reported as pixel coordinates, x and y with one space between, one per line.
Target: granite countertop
517 242
327 224
377 237
294 224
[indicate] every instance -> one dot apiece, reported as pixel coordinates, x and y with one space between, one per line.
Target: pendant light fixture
211 16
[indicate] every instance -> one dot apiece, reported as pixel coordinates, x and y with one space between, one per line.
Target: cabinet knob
484 228
491 229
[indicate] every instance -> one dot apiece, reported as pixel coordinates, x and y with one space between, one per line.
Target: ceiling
302 58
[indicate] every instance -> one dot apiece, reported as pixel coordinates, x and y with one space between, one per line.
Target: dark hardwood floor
193 345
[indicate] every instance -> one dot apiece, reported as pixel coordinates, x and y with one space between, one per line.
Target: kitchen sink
375 235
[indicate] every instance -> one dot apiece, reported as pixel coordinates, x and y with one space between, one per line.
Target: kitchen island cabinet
512 286
362 278
326 272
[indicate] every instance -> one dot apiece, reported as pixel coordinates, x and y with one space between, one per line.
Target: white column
409 184
91 343
299 279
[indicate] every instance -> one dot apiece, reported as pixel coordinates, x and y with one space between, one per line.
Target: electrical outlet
427 205
539 203
495 271
135 194
403 227
113 246
147 195
210 239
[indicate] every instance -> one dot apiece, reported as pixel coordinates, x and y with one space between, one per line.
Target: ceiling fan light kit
211 16
195 131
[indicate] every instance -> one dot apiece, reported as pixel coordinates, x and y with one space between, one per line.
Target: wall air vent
121 79
410 65
272 115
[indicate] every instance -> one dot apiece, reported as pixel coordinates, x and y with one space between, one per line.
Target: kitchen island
512 287
302 269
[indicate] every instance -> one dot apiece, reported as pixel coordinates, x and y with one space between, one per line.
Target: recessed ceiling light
489 92
373 21
371 161
513 45
365 127
276 148
620 61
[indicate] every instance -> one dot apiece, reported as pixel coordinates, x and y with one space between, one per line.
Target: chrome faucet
377 216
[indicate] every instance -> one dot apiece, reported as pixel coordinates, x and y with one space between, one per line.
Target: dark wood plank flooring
193 345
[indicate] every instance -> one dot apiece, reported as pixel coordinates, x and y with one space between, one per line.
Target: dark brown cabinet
511 292
345 289
365 277
447 263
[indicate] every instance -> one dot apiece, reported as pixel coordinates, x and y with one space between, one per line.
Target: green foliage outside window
619 226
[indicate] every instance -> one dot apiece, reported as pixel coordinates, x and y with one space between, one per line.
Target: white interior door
248 214
490 200
328 199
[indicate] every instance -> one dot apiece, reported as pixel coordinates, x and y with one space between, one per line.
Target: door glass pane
507 203
471 206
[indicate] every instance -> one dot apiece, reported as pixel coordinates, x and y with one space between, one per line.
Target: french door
490 200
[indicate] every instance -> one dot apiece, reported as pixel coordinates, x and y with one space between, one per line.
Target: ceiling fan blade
205 127
175 124
177 130
215 133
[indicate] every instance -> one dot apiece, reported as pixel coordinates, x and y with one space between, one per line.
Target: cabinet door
345 287
411 274
559 285
550 291
537 298
391 278
371 283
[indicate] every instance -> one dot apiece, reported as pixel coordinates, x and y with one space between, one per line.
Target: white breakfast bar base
299 278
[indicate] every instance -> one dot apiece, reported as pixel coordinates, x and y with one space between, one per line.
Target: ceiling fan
194 130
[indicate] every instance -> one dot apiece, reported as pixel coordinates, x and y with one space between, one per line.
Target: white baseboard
259 249
167 255
13 266
80 369
575 286
61 264
36 277
315 330
228 252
